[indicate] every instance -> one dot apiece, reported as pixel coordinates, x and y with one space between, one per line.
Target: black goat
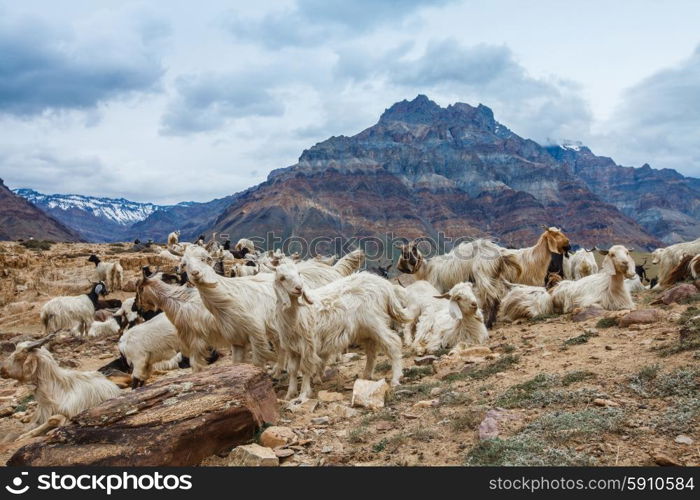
641 271
556 265
381 270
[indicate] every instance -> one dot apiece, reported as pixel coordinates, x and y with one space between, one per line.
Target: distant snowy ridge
119 210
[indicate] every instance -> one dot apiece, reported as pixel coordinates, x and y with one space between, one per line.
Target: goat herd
300 315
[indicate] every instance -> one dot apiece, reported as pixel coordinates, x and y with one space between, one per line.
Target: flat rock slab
641 316
677 294
583 314
175 422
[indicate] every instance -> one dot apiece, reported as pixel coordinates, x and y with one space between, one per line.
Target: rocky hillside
422 170
664 202
189 217
21 219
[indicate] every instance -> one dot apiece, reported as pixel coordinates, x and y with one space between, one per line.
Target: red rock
641 316
677 294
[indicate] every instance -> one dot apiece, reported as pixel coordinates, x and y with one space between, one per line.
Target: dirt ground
559 392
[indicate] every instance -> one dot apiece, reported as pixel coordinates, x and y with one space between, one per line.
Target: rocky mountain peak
419 110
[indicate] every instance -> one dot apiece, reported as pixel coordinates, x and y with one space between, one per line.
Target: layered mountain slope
664 202
425 170
19 219
188 217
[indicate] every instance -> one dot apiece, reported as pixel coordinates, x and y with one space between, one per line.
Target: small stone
488 428
5 411
425 360
350 356
275 436
302 406
341 411
683 439
327 449
428 403
321 421
410 416
329 374
384 426
463 351
608 348
435 391
283 452
605 402
328 397
253 455
665 460
587 313
369 393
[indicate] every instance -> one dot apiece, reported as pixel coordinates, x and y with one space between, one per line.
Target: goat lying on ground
444 323
60 393
481 262
606 289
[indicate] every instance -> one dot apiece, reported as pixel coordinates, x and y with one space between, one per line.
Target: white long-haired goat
606 288
357 309
481 262
444 323
111 273
75 313
60 393
147 344
581 264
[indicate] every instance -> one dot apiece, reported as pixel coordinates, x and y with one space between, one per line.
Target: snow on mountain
118 210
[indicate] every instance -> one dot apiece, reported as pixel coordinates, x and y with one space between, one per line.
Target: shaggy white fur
444 323
60 393
606 288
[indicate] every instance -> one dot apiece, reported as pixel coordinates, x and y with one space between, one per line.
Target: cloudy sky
176 100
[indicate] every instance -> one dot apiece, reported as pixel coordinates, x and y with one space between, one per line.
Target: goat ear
551 244
389 266
444 296
282 296
306 298
30 366
609 267
455 311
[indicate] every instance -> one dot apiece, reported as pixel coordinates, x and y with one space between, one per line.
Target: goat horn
443 296
41 342
397 279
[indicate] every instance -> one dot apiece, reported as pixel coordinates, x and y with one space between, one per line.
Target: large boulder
173 422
